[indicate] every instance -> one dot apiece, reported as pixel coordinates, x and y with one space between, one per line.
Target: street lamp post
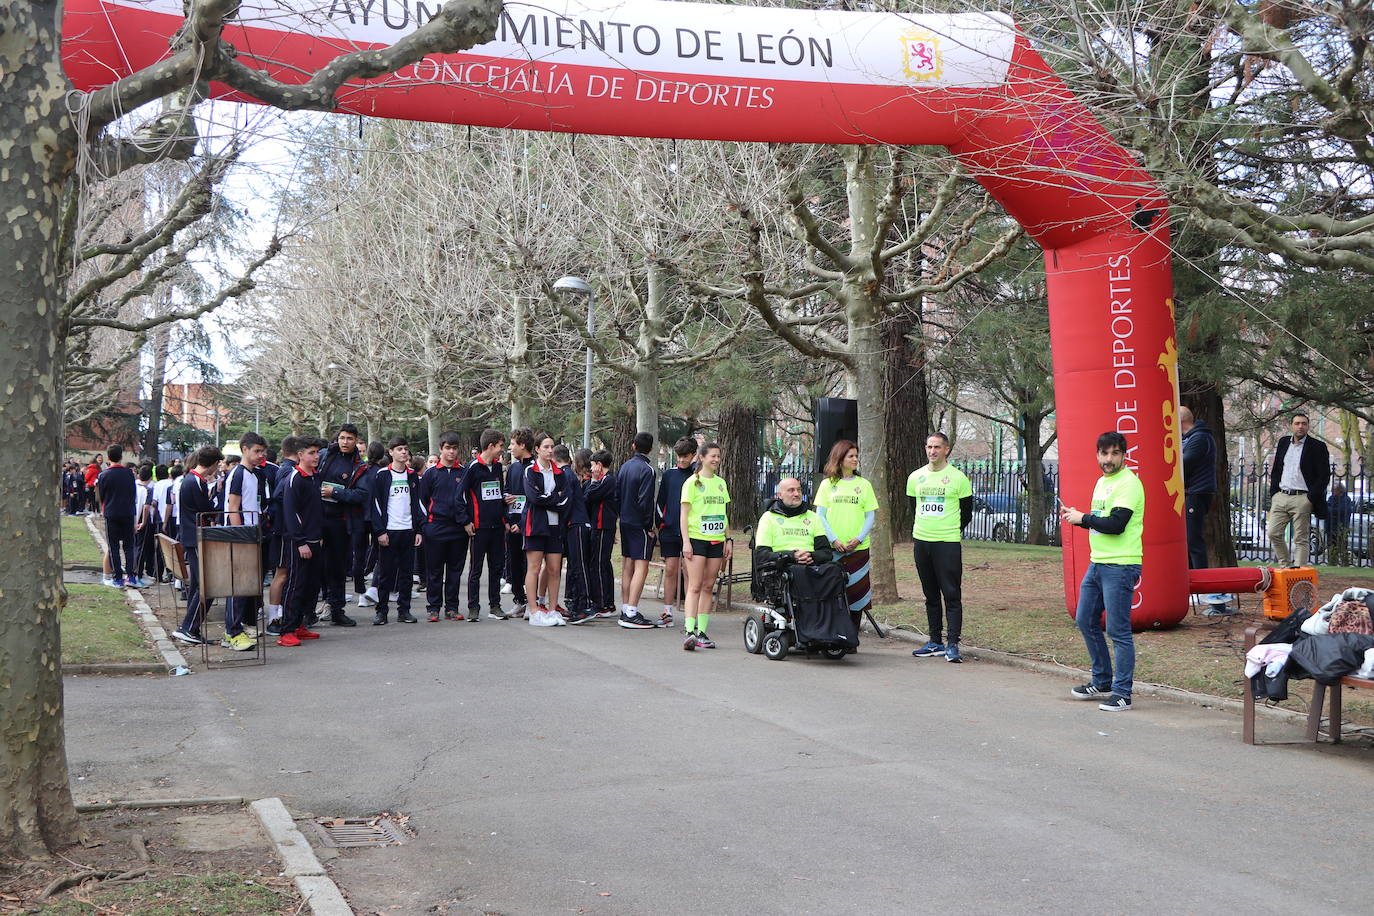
348 390
577 284
257 412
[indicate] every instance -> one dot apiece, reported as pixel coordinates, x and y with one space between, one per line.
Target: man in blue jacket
669 527
341 466
1199 489
521 453
484 491
193 498
117 489
1199 482
303 541
396 517
635 492
445 528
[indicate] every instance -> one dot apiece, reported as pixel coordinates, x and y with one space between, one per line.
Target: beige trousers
1284 509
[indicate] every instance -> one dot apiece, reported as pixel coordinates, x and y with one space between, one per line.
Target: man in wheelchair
794 573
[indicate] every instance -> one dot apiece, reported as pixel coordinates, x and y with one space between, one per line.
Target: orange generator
1290 589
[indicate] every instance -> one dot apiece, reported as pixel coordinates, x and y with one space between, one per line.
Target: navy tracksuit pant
444 574
602 584
337 549
577 559
489 550
516 567
395 560
194 612
119 536
302 584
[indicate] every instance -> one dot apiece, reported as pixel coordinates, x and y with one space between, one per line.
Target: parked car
994 502
1003 524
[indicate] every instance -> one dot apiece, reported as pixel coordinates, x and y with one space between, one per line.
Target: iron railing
1342 540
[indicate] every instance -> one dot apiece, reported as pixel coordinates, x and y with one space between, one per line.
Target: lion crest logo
921 55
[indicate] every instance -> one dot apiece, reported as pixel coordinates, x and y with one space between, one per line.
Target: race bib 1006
932 507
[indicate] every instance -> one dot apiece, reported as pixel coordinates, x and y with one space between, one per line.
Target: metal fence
1002 510
1342 540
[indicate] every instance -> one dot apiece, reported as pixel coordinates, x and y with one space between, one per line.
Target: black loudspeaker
836 419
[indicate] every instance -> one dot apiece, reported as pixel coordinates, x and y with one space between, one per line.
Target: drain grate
342 832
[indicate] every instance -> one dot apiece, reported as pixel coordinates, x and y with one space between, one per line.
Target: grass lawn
97 628
78 547
206 895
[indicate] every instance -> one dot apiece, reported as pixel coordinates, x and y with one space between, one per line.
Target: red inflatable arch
969 82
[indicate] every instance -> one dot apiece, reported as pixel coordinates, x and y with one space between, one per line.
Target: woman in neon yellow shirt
704 547
848 506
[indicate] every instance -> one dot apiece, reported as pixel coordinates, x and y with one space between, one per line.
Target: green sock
691 623
702 620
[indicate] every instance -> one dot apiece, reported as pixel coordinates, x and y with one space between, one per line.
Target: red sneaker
434 618
288 639
303 633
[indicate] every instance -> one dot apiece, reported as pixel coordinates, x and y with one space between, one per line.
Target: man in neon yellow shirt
1115 526
943 500
790 531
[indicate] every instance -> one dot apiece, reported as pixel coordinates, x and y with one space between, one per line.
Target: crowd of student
540 520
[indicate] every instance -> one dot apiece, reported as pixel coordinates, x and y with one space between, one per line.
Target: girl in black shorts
704 544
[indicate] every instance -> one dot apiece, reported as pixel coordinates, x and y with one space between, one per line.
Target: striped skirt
859 591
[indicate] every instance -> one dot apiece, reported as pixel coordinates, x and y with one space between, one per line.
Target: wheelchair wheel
835 652
775 645
753 634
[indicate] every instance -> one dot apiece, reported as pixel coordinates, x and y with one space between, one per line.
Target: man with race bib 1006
943 500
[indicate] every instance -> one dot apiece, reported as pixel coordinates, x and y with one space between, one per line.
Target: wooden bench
1314 709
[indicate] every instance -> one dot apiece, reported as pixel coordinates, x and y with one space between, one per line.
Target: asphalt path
594 769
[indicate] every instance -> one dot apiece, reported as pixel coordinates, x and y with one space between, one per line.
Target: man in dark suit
1297 491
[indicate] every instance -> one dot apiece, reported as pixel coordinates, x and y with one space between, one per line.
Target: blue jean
1108 587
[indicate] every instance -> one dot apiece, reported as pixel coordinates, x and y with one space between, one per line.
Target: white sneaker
368 598
557 619
505 587
541 619
108 580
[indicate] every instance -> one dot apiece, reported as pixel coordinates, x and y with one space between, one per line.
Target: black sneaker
497 614
183 636
1089 692
343 620
274 629
1115 703
379 619
636 621
577 617
405 617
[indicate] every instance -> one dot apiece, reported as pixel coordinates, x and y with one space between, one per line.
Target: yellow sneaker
242 643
